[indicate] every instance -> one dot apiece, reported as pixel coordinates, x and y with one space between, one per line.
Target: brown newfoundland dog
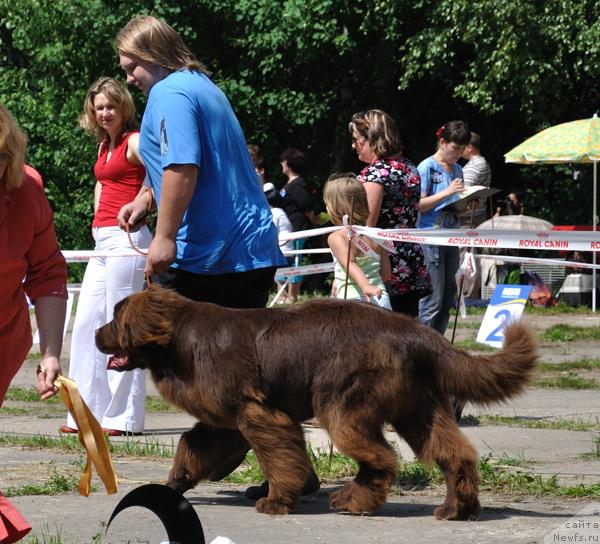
251 377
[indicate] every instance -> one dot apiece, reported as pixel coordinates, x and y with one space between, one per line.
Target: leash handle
127 230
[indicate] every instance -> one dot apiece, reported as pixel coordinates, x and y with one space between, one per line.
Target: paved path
407 517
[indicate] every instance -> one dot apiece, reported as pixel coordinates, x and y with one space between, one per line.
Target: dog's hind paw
274 508
353 499
452 513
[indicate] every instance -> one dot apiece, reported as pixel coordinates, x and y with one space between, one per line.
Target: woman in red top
116 399
28 251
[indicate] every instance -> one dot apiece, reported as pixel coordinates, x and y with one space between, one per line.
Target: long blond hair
155 42
120 97
13 142
345 195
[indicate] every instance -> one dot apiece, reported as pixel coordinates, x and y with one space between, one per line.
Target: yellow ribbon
90 436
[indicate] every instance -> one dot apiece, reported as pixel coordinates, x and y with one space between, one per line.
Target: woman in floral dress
393 189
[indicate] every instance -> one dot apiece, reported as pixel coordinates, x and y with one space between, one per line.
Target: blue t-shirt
434 178
228 225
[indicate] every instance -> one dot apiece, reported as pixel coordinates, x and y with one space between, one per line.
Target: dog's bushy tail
484 379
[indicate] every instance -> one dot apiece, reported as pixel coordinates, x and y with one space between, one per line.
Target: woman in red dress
30 263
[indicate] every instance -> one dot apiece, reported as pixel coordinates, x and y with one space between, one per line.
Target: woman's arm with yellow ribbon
90 435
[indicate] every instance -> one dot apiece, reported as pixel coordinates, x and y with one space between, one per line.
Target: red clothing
28 250
121 180
12 525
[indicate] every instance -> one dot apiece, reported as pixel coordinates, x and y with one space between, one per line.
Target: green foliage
295 71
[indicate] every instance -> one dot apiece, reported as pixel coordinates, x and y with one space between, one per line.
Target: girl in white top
369 265
283 225
280 218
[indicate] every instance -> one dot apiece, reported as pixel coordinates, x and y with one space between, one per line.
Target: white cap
268 187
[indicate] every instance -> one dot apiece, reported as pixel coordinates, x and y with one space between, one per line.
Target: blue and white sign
506 306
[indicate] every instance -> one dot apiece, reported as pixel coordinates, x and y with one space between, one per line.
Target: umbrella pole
594 223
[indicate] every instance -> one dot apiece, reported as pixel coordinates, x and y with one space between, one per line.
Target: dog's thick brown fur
251 377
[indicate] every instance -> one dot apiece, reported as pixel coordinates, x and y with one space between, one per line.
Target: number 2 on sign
496 335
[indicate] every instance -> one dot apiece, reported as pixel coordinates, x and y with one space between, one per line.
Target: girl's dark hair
274 198
295 159
455 131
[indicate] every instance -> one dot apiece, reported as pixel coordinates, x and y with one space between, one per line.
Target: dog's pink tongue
115 363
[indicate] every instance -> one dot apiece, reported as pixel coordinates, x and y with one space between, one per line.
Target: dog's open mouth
118 362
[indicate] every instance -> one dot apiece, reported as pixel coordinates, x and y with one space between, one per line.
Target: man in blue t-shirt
214 234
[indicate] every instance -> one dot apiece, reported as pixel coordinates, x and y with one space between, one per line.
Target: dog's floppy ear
143 320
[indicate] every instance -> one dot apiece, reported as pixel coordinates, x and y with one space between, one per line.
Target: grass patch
329 465
567 333
504 476
55 485
471 345
45 537
501 476
551 424
415 476
465 325
41 441
12 411
248 472
28 394
583 364
148 447
157 404
560 308
569 380
332 464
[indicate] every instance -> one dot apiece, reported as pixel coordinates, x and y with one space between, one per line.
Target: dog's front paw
180 484
274 508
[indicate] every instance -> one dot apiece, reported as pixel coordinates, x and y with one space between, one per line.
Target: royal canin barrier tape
305 270
506 239
533 260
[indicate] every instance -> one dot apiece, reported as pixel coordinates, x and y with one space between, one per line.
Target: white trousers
117 399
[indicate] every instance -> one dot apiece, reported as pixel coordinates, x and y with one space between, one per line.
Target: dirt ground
407 516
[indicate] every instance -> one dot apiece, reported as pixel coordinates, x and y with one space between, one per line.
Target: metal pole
594 223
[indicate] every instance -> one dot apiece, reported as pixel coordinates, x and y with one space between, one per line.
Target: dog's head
141 328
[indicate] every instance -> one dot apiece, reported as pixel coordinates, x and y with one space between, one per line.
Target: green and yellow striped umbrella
576 142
